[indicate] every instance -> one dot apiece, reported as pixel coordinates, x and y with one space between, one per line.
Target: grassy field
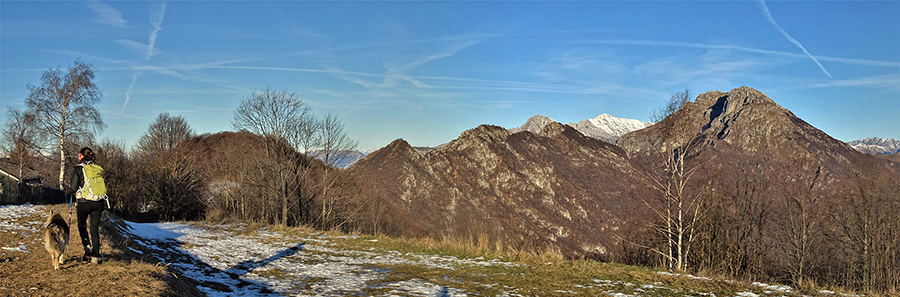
507 272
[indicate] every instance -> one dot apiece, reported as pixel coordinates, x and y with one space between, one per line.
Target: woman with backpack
90 205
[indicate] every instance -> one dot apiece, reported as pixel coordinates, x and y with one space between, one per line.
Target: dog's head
54 215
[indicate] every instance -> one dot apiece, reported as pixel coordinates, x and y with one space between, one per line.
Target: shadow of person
157 241
242 268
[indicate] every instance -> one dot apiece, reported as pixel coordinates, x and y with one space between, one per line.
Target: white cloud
851 61
765 10
139 48
333 71
889 81
106 14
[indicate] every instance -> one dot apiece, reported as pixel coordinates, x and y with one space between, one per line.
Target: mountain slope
556 188
582 196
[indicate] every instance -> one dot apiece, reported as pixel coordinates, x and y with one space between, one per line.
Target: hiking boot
95 260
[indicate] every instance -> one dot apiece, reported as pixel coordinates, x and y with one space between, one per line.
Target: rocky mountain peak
743 117
603 127
724 104
482 133
397 148
534 124
554 129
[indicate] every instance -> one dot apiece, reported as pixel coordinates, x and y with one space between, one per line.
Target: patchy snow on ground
230 260
12 213
11 216
264 263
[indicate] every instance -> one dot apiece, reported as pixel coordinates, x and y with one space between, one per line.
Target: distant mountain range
875 145
603 127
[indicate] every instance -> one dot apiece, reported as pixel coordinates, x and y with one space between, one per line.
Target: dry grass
122 274
542 272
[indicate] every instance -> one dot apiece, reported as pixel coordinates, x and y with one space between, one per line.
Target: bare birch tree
63 106
681 206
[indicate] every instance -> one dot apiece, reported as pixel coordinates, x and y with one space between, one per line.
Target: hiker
89 204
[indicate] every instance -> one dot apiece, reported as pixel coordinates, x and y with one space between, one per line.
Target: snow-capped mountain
608 128
603 127
875 145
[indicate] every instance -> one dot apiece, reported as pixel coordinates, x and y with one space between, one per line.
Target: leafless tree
63 106
675 102
20 139
681 204
802 217
164 135
869 225
335 147
281 117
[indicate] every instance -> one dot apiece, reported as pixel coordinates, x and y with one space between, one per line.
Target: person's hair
87 154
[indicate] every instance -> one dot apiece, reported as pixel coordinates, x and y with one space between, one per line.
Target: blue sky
426 71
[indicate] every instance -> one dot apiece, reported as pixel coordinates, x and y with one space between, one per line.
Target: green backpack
94 187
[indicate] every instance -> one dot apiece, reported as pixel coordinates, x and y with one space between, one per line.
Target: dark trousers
92 209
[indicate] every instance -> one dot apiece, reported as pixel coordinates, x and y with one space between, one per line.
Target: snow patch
266 263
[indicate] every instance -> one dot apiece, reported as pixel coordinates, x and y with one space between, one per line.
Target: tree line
277 168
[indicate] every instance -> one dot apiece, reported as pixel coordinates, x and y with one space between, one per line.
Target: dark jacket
77 180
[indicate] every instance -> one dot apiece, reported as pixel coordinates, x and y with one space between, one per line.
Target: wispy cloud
156 19
765 10
139 48
106 14
889 81
396 71
333 71
643 42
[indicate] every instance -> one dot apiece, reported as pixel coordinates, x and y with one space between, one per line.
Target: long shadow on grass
160 244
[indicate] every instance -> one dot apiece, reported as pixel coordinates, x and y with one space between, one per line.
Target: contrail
127 96
156 19
765 10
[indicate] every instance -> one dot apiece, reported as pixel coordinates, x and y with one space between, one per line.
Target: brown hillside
571 192
557 188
